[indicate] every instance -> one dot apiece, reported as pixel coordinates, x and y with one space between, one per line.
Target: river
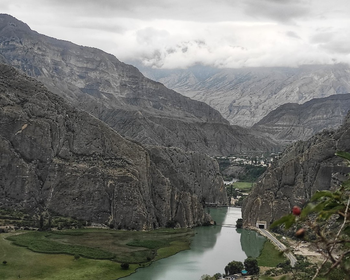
211 250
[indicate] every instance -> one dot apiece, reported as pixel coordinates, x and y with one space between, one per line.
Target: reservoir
211 250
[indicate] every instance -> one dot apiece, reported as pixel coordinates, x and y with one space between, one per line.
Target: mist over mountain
244 96
119 95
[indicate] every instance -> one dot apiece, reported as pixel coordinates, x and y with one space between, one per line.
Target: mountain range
58 159
304 168
118 94
244 96
86 135
291 122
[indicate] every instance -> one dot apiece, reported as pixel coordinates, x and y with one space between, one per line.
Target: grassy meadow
270 256
85 253
243 186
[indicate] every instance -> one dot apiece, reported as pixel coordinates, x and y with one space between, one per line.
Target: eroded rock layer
304 168
119 95
55 158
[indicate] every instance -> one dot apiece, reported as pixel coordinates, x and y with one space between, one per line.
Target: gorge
85 135
57 158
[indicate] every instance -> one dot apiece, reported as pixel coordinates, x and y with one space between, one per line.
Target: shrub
124 266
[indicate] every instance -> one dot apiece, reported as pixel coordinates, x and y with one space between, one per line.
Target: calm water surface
211 250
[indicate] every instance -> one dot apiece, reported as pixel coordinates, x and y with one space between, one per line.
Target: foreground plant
325 221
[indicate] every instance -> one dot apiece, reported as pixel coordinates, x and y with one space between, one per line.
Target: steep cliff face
56 158
291 121
121 96
304 168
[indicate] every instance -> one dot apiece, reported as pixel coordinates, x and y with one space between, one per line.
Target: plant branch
334 242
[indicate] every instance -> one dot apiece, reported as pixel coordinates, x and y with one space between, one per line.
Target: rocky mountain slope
57 158
121 96
244 96
304 168
291 121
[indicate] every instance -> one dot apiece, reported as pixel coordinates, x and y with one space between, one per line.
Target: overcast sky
181 33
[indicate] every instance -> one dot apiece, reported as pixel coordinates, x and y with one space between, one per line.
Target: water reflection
251 242
211 250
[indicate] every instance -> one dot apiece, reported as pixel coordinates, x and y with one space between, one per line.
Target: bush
234 267
251 265
170 224
239 223
124 266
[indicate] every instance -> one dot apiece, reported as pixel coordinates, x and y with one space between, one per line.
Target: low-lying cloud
179 34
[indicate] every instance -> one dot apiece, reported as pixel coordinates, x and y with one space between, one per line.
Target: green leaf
287 220
321 194
344 155
310 208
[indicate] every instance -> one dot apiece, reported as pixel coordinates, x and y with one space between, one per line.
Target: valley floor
135 248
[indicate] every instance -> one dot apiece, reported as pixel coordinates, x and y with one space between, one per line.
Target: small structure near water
261 224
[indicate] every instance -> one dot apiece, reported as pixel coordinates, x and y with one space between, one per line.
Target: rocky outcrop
304 168
291 122
55 158
119 95
244 96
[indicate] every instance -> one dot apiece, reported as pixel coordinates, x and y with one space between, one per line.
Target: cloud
286 11
292 34
333 41
179 34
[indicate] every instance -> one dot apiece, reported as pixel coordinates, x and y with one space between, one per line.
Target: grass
270 256
41 242
133 247
243 186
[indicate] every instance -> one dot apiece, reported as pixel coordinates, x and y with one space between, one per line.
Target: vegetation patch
86 253
150 244
270 256
243 186
41 242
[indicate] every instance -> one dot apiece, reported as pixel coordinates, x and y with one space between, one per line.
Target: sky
182 33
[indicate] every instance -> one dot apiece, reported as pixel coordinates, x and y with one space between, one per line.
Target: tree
239 223
234 267
206 277
251 265
4 262
326 221
124 266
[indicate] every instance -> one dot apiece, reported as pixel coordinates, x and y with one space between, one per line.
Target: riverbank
211 250
75 254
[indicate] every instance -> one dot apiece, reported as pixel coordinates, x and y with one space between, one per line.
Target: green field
243 186
100 252
270 256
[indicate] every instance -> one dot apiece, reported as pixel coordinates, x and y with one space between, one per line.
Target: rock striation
119 95
303 168
57 159
244 96
291 122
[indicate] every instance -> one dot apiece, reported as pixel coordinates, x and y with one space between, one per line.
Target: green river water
211 250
